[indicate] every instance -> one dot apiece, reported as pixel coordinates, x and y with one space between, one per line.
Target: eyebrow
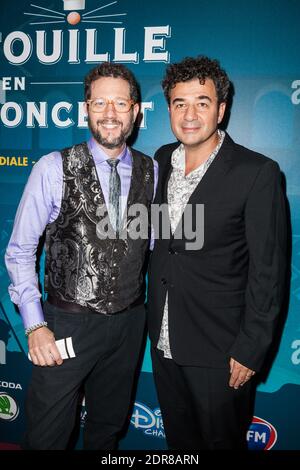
201 97
116 98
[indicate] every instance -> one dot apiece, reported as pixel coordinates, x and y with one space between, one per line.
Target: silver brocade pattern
102 273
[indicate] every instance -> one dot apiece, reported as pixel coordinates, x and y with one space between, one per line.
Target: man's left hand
239 374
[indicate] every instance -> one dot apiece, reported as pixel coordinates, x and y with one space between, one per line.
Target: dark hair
107 69
200 67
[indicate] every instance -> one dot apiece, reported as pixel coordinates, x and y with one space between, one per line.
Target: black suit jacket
224 298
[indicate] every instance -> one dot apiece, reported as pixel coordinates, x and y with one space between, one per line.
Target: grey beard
118 141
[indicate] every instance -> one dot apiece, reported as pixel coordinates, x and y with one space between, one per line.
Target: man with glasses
94 270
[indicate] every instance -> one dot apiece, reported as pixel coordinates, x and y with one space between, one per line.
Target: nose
109 109
191 113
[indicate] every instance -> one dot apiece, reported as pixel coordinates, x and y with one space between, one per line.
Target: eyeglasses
121 105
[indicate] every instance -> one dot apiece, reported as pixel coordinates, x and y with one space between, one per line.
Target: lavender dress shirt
39 206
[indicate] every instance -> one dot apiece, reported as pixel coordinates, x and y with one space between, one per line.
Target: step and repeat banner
47 47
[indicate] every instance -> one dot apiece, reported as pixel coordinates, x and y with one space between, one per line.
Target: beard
111 143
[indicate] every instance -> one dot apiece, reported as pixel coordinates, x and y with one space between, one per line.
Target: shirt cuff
32 314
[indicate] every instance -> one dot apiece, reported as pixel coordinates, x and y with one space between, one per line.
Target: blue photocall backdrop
45 53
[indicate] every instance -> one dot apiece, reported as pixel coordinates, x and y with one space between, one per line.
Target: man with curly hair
212 309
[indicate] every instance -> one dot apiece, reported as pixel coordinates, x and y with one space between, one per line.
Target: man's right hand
42 348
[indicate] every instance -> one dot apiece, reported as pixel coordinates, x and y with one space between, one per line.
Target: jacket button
172 252
163 281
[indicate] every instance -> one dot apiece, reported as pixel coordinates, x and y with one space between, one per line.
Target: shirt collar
100 156
178 156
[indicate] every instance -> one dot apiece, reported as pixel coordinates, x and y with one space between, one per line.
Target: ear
136 109
221 112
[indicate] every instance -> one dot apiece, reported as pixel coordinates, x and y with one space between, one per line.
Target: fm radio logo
147 420
9 409
261 435
74 17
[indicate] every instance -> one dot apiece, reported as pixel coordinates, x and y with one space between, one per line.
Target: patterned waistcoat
82 265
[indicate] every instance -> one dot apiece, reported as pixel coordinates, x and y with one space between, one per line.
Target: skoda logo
9 409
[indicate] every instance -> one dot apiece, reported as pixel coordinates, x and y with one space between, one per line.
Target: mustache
109 121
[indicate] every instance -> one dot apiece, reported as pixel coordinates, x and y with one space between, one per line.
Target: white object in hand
65 347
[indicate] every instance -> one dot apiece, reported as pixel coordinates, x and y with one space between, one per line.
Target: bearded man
94 283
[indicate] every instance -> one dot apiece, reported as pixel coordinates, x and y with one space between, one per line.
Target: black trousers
199 409
107 350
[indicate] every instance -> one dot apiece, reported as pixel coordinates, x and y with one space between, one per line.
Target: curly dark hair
200 67
107 69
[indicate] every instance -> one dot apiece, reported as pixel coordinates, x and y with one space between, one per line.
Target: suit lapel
214 174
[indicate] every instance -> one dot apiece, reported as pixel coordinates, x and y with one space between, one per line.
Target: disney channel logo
261 435
147 420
